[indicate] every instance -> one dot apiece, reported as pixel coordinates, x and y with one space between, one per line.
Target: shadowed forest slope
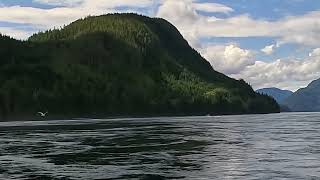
114 65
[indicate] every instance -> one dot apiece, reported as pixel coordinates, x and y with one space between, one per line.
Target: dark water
280 146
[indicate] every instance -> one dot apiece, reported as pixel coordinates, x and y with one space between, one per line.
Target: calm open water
276 146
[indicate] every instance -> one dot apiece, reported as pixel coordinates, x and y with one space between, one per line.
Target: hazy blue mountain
305 99
278 94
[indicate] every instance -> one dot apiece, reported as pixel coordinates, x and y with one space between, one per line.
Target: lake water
276 146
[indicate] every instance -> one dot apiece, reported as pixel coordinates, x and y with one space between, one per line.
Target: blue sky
271 9
273 43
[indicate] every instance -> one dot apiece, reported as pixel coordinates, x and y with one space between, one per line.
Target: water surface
276 146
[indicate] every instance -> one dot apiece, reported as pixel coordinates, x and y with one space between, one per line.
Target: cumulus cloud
59 2
212 7
268 49
283 73
42 18
229 59
315 52
68 11
95 3
240 63
302 29
287 74
13 32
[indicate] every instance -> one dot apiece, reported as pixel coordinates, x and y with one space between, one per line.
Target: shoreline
57 118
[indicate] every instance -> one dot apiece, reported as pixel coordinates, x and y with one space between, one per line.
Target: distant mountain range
278 94
305 99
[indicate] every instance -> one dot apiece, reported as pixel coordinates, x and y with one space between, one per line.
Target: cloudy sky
269 43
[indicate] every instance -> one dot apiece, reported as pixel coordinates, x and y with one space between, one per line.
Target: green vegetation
120 64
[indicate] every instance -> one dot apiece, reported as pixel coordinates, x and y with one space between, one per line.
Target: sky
268 43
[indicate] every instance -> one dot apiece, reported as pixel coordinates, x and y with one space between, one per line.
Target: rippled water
279 146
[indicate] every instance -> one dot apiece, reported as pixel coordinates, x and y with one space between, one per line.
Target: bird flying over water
43 114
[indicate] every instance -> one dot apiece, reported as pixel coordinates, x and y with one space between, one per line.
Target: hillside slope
305 99
278 94
120 64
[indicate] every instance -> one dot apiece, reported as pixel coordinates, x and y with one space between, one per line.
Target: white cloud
184 16
229 59
283 73
17 33
60 2
302 29
41 18
102 4
69 11
269 49
212 7
315 52
286 74
98 3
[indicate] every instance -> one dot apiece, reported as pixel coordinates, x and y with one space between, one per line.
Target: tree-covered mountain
305 99
119 64
278 94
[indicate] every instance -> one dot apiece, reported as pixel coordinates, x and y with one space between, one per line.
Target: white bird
43 114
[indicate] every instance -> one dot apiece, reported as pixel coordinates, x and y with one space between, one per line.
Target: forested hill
120 64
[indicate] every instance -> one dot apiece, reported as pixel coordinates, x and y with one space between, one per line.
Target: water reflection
284 146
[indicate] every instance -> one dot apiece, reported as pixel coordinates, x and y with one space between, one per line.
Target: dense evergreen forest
116 65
